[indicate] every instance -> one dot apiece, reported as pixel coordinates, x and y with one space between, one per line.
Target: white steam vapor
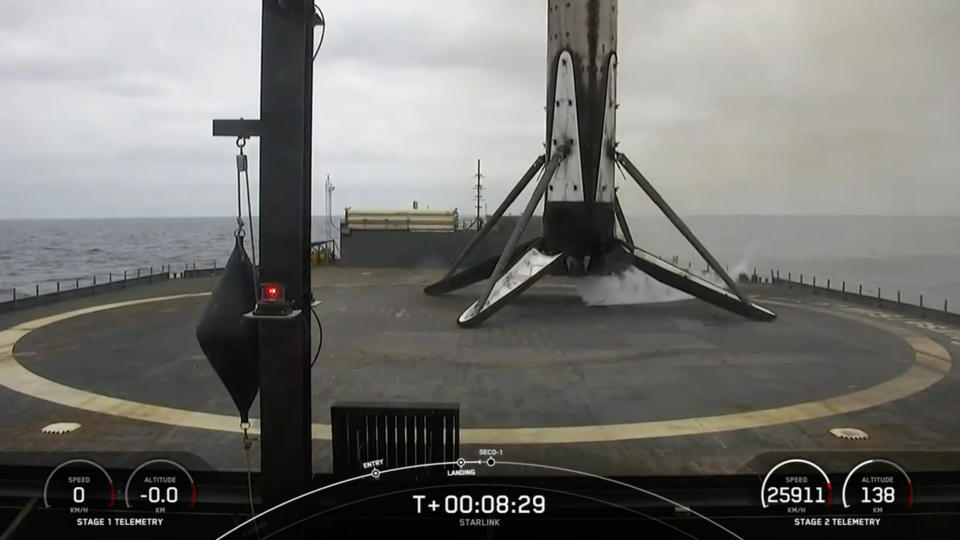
743 265
634 287
630 287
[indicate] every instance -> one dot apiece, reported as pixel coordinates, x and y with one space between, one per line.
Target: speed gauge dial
877 484
796 486
80 485
160 485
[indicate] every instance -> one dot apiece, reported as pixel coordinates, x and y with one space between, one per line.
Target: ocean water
41 252
914 255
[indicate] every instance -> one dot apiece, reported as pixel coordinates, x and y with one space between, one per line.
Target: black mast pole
286 95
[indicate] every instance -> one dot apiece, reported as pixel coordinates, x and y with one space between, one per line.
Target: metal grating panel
400 434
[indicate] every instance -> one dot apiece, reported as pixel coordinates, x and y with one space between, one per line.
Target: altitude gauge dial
796 486
160 485
80 485
877 484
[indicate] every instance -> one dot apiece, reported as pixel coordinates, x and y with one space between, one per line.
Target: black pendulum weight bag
229 340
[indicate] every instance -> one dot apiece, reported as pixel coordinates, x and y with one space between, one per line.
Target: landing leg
524 273
732 300
693 284
475 273
622 221
530 266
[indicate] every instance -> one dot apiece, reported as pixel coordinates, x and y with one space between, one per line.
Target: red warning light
271 292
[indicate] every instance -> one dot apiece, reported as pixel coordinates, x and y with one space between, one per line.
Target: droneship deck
646 389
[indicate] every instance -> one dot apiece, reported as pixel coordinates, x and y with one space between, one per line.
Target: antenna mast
329 226
478 197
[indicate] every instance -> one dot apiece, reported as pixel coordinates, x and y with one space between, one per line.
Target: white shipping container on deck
401 220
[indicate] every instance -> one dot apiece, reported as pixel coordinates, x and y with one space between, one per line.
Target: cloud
744 107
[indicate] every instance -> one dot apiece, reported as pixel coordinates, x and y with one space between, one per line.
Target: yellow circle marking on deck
931 364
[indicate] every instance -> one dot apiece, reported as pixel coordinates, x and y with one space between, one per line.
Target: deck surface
632 389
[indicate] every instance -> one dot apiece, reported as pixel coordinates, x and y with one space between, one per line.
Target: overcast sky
802 107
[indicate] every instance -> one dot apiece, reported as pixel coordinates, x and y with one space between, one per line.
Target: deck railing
51 291
889 300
